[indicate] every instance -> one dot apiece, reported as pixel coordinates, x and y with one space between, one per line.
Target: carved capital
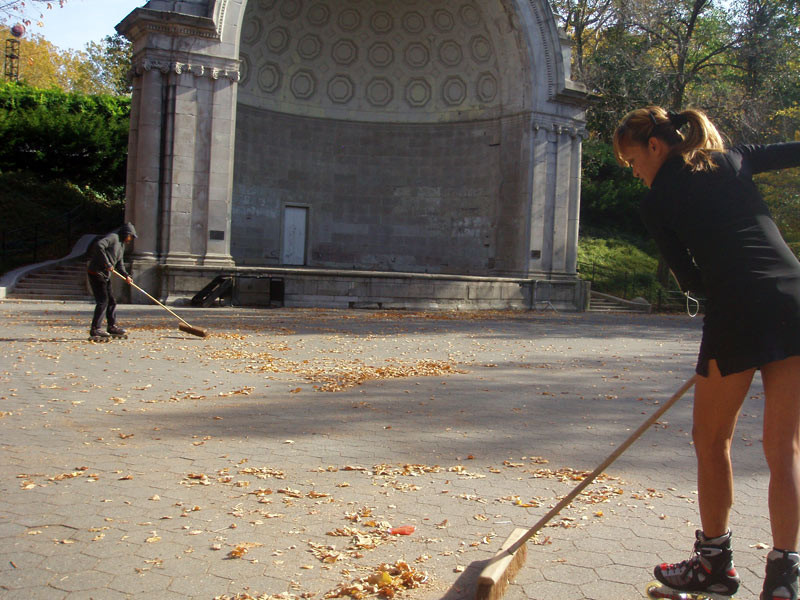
179 68
149 64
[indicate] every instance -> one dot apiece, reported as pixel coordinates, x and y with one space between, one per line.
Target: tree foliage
110 63
739 60
584 21
59 135
782 191
28 12
609 194
101 69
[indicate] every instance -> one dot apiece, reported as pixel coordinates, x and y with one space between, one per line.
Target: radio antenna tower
11 68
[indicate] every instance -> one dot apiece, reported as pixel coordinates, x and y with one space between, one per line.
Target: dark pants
104 297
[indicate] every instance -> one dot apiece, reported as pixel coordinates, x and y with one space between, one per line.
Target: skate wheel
658 591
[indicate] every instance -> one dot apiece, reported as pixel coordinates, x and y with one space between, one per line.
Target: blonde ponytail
700 141
696 146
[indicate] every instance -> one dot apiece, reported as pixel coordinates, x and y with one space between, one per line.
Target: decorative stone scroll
560 128
179 68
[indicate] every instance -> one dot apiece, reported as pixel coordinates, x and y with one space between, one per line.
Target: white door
295 222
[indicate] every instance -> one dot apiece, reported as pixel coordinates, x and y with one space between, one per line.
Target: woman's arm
672 249
769 157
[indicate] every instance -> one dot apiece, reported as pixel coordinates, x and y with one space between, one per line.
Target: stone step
56 277
604 304
54 289
78 281
60 282
35 287
50 296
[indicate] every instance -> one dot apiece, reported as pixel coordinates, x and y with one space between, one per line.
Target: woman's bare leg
717 402
782 448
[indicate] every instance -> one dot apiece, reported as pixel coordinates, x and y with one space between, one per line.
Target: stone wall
381 196
372 290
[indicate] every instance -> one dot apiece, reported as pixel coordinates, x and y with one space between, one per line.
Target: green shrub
618 267
610 194
56 135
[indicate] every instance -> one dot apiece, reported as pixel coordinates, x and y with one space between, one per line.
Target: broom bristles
193 330
501 570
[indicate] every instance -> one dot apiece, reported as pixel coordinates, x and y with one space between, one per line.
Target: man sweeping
105 256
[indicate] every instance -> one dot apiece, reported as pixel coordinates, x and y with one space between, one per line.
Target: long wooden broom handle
151 298
602 467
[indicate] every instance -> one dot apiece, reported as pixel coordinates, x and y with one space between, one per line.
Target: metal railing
630 284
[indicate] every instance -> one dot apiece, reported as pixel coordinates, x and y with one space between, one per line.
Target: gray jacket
109 251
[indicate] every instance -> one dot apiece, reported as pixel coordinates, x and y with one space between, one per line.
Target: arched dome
388 60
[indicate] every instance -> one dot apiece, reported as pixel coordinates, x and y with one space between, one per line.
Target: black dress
716 234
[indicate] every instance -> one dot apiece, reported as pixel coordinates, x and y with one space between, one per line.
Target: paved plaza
290 453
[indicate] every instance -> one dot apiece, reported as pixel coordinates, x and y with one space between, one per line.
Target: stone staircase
64 281
604 303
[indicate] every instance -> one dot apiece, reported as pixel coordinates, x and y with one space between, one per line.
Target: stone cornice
146 21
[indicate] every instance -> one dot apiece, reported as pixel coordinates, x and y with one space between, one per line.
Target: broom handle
602 467
151 298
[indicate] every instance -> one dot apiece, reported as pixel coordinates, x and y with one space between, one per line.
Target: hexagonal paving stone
43 592
148 582
192 586
75 581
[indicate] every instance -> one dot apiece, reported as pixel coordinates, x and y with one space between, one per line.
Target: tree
780 191
111 63
688 37
625 74
101 69
610 194
39 61
767 61
585 21
26 11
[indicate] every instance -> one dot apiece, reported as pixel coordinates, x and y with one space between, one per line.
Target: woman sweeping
716 234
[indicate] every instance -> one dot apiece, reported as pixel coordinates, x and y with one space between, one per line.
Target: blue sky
82 21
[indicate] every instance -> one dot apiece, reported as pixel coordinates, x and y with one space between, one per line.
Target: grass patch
618 267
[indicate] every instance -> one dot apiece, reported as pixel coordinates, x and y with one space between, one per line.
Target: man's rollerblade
780 582
98 336
709 573
658 590
117 332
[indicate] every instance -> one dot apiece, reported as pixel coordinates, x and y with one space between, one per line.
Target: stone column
542 191
220 173
573 224
561 199
181 143
555 198
143 195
